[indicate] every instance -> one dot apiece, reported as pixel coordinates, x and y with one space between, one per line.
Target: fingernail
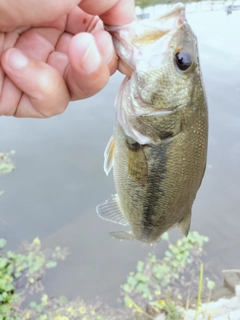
16 60
92 58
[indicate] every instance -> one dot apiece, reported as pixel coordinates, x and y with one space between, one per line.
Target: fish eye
183 60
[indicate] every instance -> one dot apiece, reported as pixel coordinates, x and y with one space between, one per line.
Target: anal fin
110 210
185 223
122 235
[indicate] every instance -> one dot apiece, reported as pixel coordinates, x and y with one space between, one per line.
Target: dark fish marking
137 162
166 134
156 175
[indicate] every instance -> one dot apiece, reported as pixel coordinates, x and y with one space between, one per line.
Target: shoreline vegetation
159 289
147 3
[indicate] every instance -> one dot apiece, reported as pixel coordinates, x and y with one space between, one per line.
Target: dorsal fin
109 155
110 210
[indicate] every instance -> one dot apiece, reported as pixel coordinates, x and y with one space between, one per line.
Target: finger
79 21
14 14
9 98
113 12
37 43
45 92
104 44
88 72
106 49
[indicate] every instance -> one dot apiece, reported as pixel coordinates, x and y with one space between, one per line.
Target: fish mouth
136 39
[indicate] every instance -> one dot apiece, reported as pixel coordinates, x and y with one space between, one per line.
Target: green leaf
6 168
17 274
165 236
82 310
51 264
63 299
3 243
128 302
3 263
210 284
153 259
39 308
132 281
44 298
140 266
36 243
126 288
168 254
33 304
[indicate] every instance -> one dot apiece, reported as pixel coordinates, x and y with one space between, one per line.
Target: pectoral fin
122 235
185 223
110 210
109 155
137 163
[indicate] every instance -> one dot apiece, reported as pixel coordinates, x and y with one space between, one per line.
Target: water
59 178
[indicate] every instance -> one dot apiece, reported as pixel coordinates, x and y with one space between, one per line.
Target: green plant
21 274
169 307
173 275
199 297
6 165
62 309
23 270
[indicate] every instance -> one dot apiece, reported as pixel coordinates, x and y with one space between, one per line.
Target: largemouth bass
159 145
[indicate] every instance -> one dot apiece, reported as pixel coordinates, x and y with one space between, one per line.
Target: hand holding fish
56 51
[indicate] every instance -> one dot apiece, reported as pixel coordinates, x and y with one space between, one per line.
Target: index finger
112 12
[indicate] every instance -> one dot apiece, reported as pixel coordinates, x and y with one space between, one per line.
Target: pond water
59 176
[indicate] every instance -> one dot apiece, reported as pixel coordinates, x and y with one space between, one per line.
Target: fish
158 149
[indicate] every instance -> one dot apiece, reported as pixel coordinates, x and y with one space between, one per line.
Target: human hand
54 51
